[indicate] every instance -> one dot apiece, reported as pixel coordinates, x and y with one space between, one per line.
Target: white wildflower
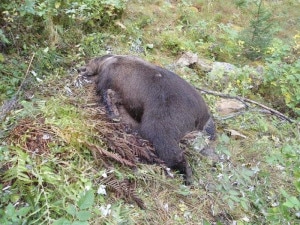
105 210
104 174
101 190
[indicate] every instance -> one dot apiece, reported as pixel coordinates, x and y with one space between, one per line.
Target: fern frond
107 154
125 189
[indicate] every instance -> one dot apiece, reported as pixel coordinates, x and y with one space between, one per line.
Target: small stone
228 106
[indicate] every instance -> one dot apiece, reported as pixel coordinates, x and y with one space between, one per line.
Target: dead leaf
235 134
118 23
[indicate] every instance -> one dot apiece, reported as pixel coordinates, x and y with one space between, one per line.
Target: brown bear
163 106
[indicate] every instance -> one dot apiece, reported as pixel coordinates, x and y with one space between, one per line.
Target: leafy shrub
236 81
79 10
39 23
282 79
279 76
227 47
95 13
172 43
55 16
91 44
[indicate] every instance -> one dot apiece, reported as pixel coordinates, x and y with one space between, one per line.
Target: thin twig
26 75
242 99
243 112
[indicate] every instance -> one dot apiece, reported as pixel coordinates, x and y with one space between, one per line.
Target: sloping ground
62 161
67 145
72 132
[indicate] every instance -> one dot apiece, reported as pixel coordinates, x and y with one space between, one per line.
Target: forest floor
62 161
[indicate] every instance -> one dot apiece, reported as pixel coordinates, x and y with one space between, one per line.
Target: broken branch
244 100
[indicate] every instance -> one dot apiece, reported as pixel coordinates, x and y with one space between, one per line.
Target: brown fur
163 105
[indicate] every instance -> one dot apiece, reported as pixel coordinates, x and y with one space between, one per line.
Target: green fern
20 166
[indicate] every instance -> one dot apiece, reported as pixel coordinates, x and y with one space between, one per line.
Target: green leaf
233 193
234 198
71 209
83 215
244 205
224 138
284 193
23 211
62 221
10 210
87 200
185 191
292 202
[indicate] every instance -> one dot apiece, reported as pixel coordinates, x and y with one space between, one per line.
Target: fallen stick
26 75
244 100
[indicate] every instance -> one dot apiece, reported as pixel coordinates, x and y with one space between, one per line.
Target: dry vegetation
63 162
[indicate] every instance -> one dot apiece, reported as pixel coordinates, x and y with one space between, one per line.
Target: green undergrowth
50 175
61 182
58 181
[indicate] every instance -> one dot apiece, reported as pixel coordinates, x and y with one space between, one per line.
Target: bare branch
246 100
26 75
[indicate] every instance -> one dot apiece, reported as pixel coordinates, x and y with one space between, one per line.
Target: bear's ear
85 71
81 69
